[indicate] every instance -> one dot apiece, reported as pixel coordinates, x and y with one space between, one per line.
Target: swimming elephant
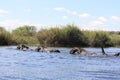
44 49
38 49
54 50
22 47
81 51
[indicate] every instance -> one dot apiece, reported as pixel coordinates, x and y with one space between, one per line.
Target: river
30 65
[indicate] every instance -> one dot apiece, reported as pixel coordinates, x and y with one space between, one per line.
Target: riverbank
59 36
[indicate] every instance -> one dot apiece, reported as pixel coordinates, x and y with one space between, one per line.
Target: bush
25 35
25 30
65 36
115 39
5 37
69 35
102 39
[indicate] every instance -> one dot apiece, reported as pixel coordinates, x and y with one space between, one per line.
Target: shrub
5 37
102 39
68 35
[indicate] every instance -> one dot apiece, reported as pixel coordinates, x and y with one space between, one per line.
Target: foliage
115 39
5 37
25 40
101 39
25 31
66 36
72 36
69 35
25 35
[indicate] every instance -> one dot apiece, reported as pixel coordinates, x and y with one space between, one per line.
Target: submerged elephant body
43 49
74 50
81 51
22 47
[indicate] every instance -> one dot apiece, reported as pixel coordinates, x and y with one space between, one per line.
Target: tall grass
69 35
115 39
65 36
25 35
25 40
5 37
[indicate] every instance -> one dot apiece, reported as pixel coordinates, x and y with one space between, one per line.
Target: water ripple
28 65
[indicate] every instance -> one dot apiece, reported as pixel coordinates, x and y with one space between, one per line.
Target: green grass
59 36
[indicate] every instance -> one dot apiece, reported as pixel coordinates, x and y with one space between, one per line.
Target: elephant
44 49
54 50
81 51
38 49
22 47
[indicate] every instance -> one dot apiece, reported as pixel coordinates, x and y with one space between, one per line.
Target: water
29 65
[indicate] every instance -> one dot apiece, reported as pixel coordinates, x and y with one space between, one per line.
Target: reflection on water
28 65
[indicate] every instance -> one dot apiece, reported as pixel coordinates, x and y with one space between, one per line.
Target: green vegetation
5 37
115 39
25 35
25 31
98 38
65 36
69 35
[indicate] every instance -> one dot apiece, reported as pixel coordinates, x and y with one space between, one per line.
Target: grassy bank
71 35
65 36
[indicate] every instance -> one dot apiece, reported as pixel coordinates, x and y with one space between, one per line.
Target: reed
5 37
64 36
